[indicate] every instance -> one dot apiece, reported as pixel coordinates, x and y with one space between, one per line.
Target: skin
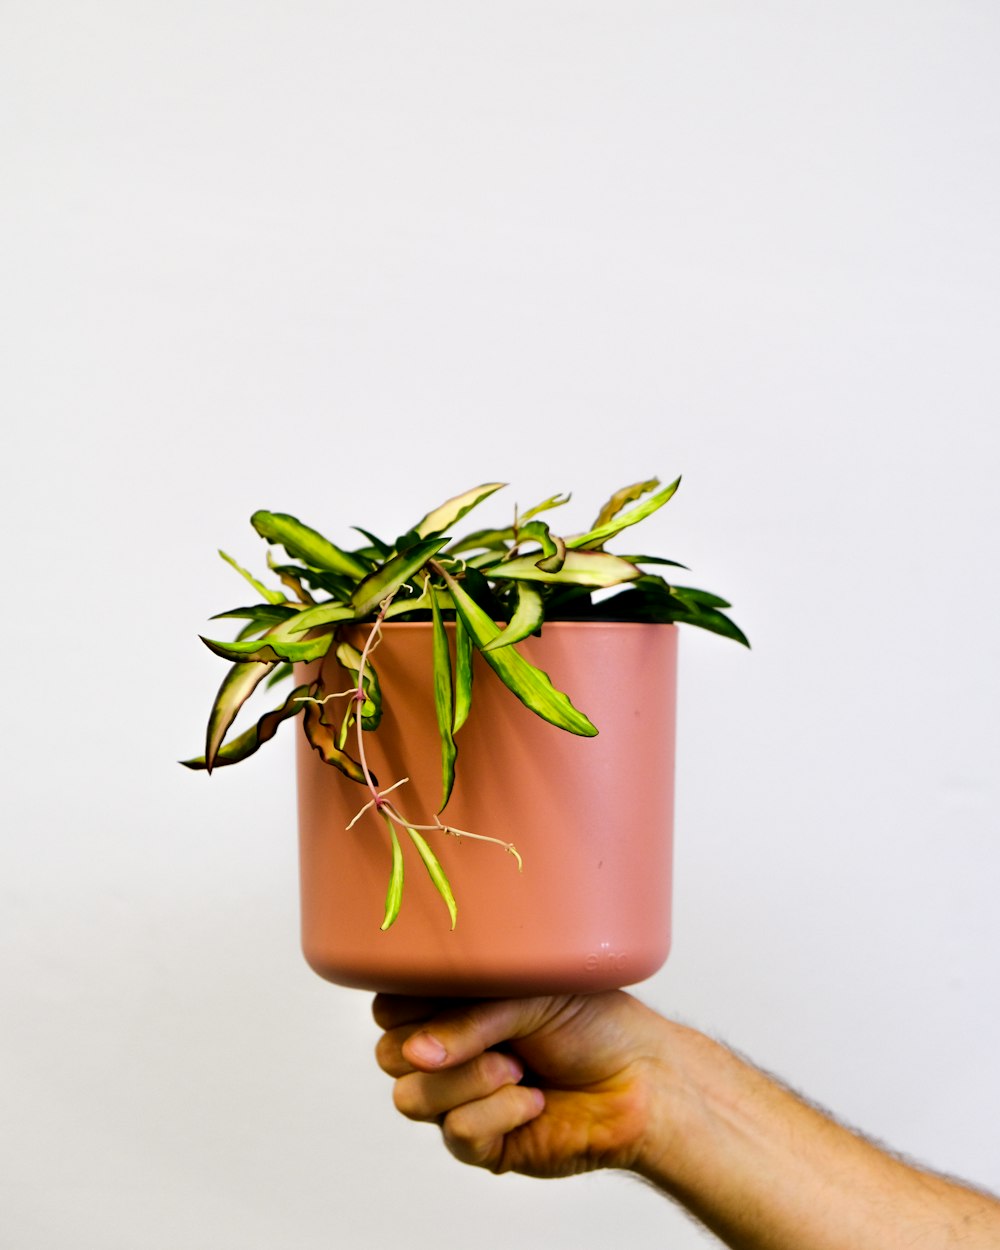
551 1087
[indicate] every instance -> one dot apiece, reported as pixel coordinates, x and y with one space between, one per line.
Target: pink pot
591 817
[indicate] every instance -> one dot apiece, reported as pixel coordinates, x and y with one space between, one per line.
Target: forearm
765 1171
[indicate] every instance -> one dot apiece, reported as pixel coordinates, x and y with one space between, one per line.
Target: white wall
344 259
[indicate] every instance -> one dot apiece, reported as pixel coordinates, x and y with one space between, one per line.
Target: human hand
543 1086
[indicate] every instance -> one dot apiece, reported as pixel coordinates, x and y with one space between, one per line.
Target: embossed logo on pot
605 959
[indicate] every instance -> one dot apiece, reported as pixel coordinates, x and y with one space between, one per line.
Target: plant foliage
498 586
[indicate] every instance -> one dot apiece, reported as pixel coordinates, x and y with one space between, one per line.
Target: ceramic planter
591 817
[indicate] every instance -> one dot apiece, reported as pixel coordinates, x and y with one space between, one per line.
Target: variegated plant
497 585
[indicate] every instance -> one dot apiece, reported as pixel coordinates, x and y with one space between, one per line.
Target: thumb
461 1034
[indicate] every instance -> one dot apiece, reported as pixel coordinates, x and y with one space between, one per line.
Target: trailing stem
390 813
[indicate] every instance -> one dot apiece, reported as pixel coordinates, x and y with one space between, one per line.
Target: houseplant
437 608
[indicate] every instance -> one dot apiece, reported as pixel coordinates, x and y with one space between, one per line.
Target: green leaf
601 533
491 540
322 739
270 649
261 613
556 501
381 549
553 547
654 560
272 596
581 568
305 544
237 686
280 674
627 495
394 894
387 579
248 741
322 614
527 618
454 509
531 685
443 703
291 576
371 709
436 872
463 673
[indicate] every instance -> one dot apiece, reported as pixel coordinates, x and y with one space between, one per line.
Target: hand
544 1086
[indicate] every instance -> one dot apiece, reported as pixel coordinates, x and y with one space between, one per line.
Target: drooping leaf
627 495
527 618
270 648
394 894
698 598
323 740
531 685
387 579
371 710
306 544
272 596
436 873
463 673
247 742
454 509
580 568
601 533
443 703
237 686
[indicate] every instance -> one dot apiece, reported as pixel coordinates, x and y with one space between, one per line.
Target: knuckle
408 1099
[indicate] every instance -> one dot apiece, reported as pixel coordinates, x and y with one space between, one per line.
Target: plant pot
591 817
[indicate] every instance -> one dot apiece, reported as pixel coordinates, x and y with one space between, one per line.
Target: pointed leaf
600 534
272 596
270 649
322 614
556 501
527 618
531 685
321 738
581 568
387 579
454 509
627 495
394 894
463 673
254 737
382 550
305 544
436 873
443 703
237 686
262 613
280 673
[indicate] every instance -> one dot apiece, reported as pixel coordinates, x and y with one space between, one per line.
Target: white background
344 260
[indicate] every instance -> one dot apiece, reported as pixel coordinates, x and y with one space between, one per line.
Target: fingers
475 1132
427 1096
457 1035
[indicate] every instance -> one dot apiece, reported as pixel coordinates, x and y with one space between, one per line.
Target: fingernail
426 1049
